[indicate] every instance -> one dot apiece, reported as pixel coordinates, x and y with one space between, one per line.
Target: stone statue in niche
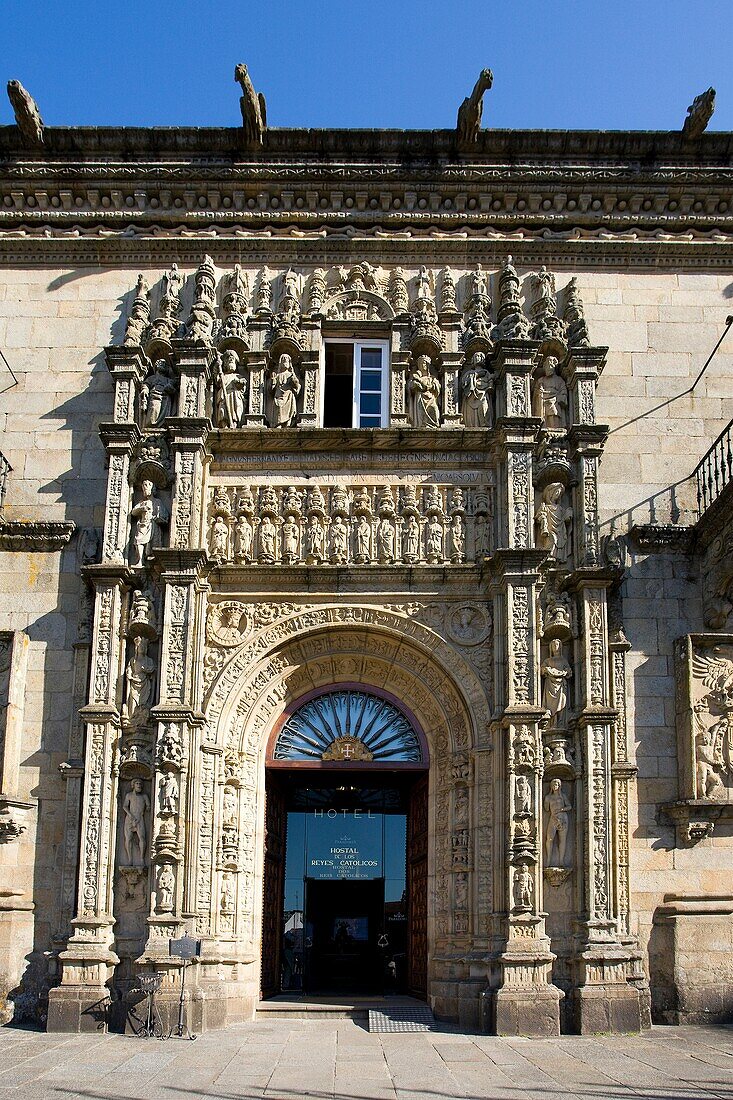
523 887
138 684
227 895
339 540
461 891
268 540
555 672
290 541
424 391
134 829
550 396
231 392
242 539
148 516
158 393
363 540
219 540
412 540
457 540
476 387
168 791
166 888
435 540
283 387
460 807
523 804
553 523
315 539
230 808
558 809
386 541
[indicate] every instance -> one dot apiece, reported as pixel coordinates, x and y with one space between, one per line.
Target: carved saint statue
219 540
138 683
363 539
550 396
555 672
557 808
412 539
523 887
230 808
435 540
315 539
283 388
268 536
290 541
424 391
476 387
148 516
523 803
158 392
168 789
243 539
386 540
339 540
166 888
457 540
231 391
134 831
553 523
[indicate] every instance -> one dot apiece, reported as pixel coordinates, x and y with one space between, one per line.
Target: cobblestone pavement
339 1060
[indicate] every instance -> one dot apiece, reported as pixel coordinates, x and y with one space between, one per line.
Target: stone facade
516 554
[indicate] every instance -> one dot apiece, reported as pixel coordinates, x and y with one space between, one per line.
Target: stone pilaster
399 368
587 447
80 1002
581 371
526 1002
119 441
602 998
451 365
128 367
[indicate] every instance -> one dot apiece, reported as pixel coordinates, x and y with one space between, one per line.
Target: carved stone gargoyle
27 115
470 111
254 109
699 114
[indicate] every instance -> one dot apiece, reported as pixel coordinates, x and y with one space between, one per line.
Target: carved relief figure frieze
705 716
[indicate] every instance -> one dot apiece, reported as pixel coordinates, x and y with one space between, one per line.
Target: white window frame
358 345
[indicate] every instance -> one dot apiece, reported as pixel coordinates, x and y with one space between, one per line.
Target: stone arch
305 652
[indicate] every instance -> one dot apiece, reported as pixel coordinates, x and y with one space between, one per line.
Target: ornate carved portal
253 561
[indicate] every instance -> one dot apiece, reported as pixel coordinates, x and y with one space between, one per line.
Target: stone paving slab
339 1060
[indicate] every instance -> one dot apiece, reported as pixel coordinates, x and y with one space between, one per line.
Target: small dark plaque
185 948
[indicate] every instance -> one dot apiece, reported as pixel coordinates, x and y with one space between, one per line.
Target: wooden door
272 902
417 877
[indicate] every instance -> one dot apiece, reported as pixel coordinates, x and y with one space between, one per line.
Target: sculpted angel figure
476 387
283 388
555 672
423 391
550 396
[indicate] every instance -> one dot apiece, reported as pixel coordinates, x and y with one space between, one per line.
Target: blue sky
605 64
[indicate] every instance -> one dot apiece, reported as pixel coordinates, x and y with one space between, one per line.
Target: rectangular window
355 391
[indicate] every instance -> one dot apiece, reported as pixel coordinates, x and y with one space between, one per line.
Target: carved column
310 373
602 998
451 365
526 1002
581 371
119 441
587 445
399 367
80 1002
178 721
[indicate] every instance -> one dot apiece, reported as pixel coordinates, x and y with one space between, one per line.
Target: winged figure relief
713 670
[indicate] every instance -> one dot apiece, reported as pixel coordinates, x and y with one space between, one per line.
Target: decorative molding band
24 536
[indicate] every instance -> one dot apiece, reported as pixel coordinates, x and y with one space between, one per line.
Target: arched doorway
345 877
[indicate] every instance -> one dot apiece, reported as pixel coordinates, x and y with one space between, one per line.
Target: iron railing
715 470
5 469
